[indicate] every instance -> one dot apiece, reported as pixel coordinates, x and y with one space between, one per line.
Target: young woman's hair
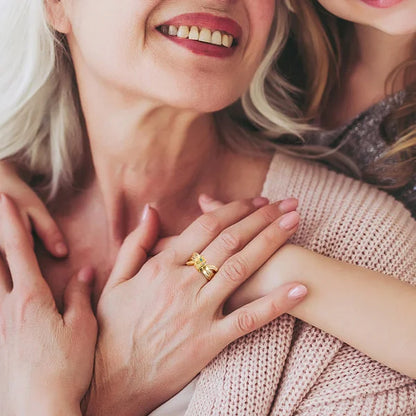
41 124
321 44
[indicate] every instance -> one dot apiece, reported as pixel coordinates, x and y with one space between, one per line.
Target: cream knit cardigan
291 368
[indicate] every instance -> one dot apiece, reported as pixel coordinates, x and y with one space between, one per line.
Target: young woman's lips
204 21
382 4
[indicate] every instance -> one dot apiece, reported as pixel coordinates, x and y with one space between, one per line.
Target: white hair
40 116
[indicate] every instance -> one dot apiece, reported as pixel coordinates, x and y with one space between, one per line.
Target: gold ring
200 263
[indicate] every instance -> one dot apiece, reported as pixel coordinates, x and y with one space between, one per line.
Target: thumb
135 248
77 298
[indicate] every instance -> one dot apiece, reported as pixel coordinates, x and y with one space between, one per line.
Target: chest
89 245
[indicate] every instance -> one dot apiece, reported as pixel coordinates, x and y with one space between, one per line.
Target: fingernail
145 212
205 198
297 292
288 205
289 221
61 249
260 201
86 275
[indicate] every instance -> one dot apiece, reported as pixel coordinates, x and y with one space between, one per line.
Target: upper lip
208 21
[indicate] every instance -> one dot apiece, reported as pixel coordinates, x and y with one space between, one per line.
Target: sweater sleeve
356 223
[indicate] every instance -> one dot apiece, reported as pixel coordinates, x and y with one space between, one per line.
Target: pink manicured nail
145 212
289 221
297 292
288 205
86 275
61 249
260 202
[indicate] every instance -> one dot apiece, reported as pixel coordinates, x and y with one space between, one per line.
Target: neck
379 54
146 153
369 64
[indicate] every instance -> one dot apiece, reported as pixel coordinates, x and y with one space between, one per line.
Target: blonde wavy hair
320 40
41 124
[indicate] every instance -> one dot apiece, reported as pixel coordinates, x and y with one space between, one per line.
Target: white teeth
216 38
202 35
205 35
183 32
227 41
173 30
194 33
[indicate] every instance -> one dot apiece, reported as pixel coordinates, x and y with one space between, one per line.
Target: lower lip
201 48
382 4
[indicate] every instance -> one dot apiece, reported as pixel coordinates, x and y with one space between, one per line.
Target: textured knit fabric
362 140
291 368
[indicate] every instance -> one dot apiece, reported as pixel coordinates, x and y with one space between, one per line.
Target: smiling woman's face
193 54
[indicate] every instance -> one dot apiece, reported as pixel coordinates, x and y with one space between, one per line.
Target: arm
346 301
371 312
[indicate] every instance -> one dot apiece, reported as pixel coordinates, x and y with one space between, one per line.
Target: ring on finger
200 264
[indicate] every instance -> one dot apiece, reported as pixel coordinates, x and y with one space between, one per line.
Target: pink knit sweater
291 368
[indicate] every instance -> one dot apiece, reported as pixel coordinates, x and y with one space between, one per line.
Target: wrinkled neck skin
143 152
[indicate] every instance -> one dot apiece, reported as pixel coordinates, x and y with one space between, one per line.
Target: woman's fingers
260 312
135 248
208 226
239 267
47 229
17 247
235 237
77 298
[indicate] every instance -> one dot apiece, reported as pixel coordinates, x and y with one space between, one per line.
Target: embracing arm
370 311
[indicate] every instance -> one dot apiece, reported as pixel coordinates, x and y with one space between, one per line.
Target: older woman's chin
211 102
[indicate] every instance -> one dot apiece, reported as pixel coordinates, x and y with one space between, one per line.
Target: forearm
372 312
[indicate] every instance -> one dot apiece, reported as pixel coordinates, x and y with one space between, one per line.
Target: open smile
203 33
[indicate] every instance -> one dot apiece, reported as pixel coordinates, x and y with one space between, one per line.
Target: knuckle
210 223
245 322
235 270
230 241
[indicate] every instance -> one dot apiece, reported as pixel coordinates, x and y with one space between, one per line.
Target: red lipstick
207 21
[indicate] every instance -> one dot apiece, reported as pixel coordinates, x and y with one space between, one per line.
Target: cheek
107 36
261 18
